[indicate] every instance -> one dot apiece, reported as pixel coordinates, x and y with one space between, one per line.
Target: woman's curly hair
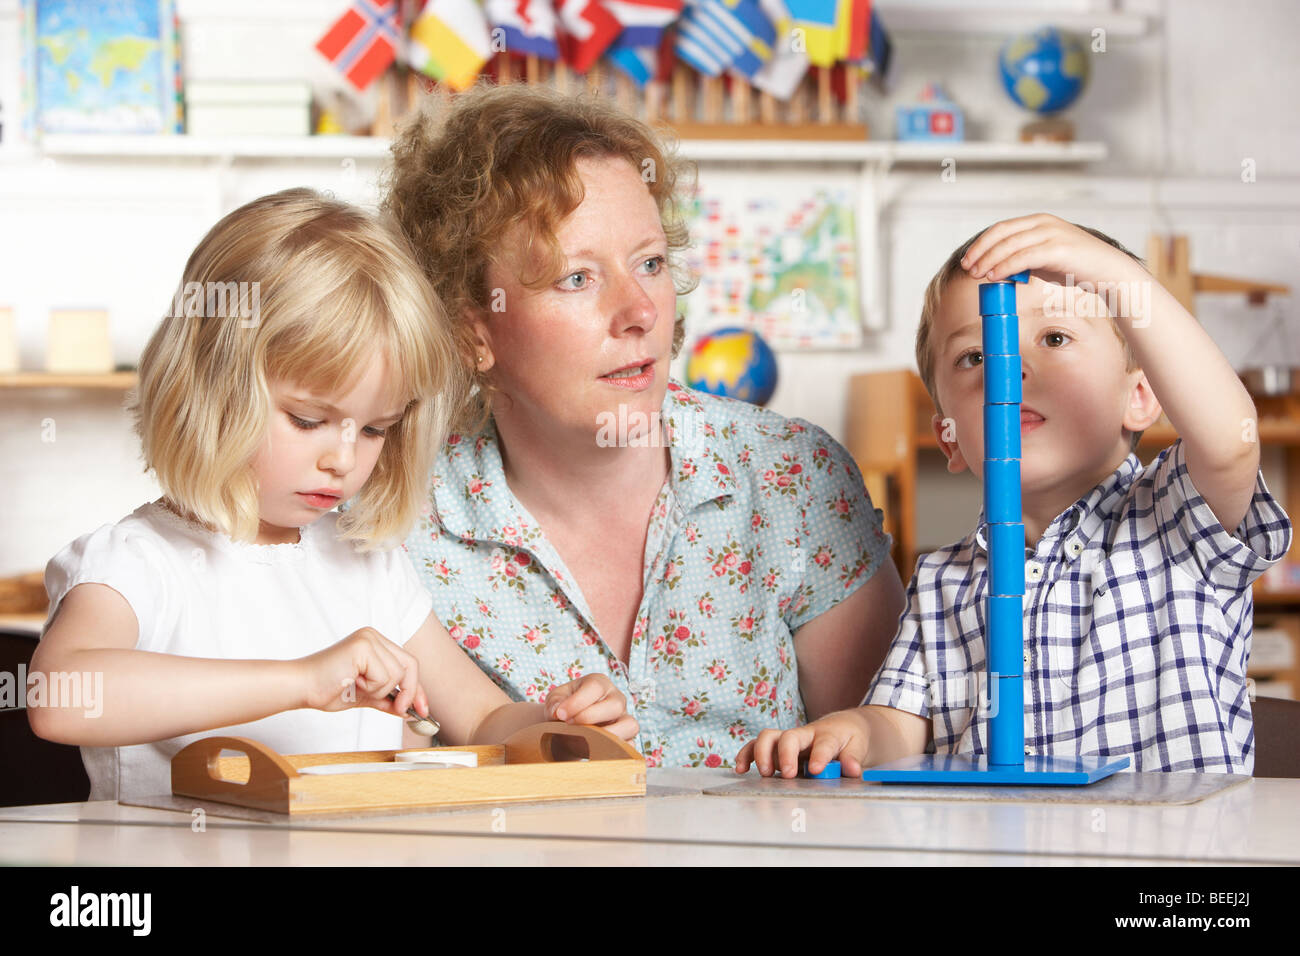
466 170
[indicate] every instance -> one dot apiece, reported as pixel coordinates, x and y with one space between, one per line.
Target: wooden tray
527 768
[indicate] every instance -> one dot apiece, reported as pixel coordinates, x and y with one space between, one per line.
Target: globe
733 363
1044 71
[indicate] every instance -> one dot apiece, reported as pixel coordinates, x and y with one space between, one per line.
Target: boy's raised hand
593 700
844 735
1046 244
360 671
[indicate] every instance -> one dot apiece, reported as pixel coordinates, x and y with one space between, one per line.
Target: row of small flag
770 42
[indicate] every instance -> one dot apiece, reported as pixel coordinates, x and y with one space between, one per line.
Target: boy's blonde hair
934 295
465 172
329 288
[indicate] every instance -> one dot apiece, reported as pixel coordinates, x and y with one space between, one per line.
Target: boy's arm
1202 395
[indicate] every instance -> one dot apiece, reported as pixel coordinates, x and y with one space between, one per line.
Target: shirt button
643 690
1025 659
1034 569
1075 549
1029 751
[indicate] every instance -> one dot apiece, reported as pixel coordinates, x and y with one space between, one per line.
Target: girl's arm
474 710
149 696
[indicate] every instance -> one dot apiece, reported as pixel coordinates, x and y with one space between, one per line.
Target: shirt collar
474 502
1087 516
698 472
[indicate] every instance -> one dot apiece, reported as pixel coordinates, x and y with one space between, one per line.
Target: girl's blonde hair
467 171
295 288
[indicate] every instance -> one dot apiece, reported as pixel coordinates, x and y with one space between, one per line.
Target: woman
722 565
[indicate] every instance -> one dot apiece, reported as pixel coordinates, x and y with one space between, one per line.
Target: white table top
1255 822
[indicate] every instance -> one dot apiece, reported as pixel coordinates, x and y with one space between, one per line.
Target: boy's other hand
1050 246
843 735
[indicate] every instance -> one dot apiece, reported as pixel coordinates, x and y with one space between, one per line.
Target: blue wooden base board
957 770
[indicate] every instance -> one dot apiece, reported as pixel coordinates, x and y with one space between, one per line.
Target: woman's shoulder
756 439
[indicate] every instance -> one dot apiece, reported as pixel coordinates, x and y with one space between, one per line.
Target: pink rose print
731 560
523 559
759 691
744 567
456 632
795 469
713 760
682 633
472 642
453 439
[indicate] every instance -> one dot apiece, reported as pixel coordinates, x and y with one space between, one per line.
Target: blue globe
1044 71
733 363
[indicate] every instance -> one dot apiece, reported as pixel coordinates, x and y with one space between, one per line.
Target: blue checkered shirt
1138 615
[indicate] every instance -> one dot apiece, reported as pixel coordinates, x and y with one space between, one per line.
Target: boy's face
1077 398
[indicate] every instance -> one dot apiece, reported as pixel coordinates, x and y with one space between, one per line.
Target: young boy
1138 607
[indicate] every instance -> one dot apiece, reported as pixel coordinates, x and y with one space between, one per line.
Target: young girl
310 365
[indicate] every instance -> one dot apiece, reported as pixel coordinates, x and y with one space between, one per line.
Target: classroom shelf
882 152
120 381
910 16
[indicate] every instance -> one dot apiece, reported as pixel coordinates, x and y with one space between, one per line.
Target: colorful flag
635 51
853 26
781 75
363 42
636 62
643 21
816 20
714 35
449 42
880 52
529 26
589 29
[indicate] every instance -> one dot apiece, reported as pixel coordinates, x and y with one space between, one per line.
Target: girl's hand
1045 244
360 671
592 700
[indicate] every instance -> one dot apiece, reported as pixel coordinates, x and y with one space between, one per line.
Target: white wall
1180 108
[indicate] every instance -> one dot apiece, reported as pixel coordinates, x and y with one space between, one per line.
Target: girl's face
319 450
599 338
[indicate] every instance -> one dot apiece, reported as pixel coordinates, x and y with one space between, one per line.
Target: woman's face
596 341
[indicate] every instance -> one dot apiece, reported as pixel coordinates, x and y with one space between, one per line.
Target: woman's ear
484 358
1143 409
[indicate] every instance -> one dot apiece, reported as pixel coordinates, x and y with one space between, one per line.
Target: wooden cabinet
888 430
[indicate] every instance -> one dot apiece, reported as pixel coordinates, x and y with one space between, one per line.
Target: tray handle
194 770
537 744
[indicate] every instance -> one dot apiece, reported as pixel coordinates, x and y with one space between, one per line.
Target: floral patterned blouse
762 525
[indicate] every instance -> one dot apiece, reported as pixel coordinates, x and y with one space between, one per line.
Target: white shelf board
109 146
1011 20
892 153
761 151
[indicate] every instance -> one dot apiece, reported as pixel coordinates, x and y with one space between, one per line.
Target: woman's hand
361 671
592 700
